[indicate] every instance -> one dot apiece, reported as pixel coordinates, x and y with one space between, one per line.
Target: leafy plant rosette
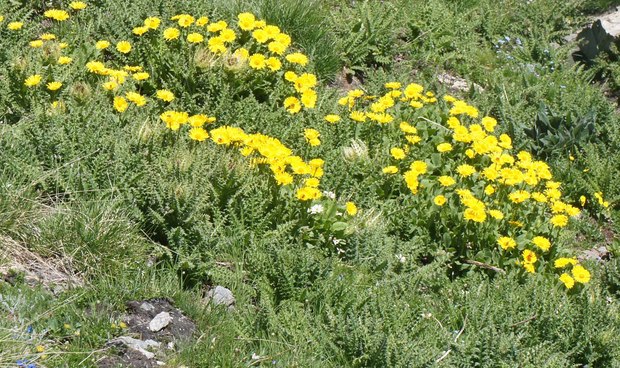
489 205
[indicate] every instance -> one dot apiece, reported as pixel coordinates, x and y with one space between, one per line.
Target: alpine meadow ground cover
304 155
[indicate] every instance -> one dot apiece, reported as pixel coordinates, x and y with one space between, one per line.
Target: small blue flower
29 329
21 362
31 365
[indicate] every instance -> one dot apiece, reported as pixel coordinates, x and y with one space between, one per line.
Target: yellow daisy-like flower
139 31
171 34
351 208
36 44
246 21
64 60
198 134
123 47
292 104
541 242
446 181
257 61
54 86
14 26
57 14
331 118
32 80
152 22
397 153
568 281
440 200
580 274
506 243
195 38
444 147
120 104
102 45
297 58
47 37
390 170
78 5
559 220
165 95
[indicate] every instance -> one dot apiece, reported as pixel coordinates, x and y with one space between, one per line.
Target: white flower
330 195
401 258
317 208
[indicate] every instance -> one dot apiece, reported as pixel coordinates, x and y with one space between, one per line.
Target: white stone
160 321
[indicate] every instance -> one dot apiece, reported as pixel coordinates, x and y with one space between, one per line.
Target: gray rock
147 307
221 296
160 321
141 346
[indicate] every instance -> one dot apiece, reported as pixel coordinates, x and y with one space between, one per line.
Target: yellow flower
496 214
120 104
292 105
217 26
228 35
274 65
297 58
331 118
529 267
559 220
171 34
390 170
14 26
202 21
260 36
408 128
64 60
439 200
56 14
77 5
489 123
165 95
195 38
312 136
519 196
392 85
580 274
529 256
446 181
185 20
475 214
141 76
568 281
489 190
308 193
32 80
110 85
257 61
465 170
276 47
541 242
36 44
351 208
444 147
136 98
418 167
246 21
506 242
101 45
139 31
152 22
123 47
198 134
40 348
397 153
563 262
54 86
582 200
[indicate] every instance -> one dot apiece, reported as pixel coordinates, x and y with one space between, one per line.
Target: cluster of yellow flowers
478 175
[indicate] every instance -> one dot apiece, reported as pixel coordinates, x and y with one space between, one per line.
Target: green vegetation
129 179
